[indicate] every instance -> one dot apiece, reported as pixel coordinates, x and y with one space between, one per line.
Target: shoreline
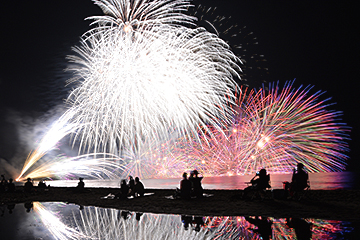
341 204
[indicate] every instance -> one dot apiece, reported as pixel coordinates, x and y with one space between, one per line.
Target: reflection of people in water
138 215
198 221
301 227
190 220
263 226
28 206
186 220
125 214
11 207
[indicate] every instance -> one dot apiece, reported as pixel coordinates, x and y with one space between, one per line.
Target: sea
58 220
318 181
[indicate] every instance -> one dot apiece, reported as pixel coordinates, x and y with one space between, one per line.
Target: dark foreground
341 205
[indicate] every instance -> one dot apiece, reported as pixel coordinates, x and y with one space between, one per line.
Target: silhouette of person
196 184
131 186
301 227
28 186
198 221
81 185
299 180
11 207
186 220
138 215
11 186
138 188
260 182
125 214
41 184
3 184
185 187
263 226
28 206
3 180
124 190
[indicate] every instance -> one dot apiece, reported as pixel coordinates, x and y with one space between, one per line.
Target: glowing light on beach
98 166
56 132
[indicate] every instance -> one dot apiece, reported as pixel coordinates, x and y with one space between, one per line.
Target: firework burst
275 129
142 84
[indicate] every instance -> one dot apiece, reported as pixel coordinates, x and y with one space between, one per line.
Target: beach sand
322 204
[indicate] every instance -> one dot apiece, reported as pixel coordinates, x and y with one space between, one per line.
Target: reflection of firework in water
54 224
276 129
146 77
100 223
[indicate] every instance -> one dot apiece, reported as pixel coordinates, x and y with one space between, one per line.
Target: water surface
68 221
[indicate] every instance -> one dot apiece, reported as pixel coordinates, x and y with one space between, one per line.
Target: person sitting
139 188
28 186
196 184
41 184
81 185
131 186
259 183
185 187
299 180
124 190
3 184
11 186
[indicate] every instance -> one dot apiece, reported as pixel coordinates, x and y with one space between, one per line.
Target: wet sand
341 205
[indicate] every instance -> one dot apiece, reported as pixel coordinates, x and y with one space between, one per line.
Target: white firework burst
139 15
142 84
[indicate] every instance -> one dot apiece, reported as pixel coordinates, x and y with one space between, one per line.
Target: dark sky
312 41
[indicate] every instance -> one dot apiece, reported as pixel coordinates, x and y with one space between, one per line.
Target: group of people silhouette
7 186
261 181
190 187
134 188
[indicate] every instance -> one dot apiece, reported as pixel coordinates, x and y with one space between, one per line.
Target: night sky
312 41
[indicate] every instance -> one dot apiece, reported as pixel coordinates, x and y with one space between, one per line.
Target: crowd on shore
190 187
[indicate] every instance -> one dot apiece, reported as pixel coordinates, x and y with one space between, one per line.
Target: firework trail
241 40
149 80
139 15
58 130
98 166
